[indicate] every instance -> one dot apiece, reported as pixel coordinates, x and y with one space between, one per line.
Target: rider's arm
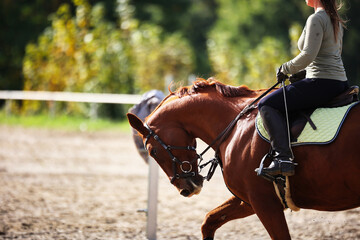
312 37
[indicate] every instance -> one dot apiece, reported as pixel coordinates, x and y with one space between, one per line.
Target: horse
327 176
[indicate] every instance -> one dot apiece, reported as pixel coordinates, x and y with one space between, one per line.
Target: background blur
66 175
131 46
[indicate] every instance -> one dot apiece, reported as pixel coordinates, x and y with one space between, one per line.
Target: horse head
169 133
175 151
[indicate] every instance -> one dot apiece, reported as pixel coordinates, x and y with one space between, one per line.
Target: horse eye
153 152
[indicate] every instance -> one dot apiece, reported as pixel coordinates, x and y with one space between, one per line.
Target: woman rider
320 44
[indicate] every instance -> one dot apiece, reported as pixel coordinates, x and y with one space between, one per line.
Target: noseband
185 173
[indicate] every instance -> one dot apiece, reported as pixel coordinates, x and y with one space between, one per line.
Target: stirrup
259 171
280 167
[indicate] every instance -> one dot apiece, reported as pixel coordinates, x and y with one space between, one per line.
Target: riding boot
275 125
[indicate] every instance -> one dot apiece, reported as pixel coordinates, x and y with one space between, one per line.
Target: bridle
219 139
214 161
185 173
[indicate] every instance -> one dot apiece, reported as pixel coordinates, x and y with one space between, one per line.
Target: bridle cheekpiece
185 173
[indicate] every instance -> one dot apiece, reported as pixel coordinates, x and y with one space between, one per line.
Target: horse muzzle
192 186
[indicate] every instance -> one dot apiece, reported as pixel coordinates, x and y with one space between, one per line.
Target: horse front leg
232 209
271 213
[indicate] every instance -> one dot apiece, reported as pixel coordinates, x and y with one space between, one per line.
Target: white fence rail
71 97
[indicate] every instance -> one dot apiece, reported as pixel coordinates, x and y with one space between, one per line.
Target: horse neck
205 116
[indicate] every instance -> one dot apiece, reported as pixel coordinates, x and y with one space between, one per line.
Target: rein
225 133
219 139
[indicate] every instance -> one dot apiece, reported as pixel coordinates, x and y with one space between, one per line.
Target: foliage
172 55
21 22
131 45
193 19
262 63
84 53
249 39
351 44
155 53
87 53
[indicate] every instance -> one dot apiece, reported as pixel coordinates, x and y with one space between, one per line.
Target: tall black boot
275 125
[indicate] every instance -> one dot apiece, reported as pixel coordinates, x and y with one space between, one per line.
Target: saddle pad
328 122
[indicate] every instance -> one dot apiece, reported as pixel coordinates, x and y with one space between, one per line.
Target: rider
320 44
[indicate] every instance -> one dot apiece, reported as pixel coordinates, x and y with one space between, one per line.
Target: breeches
304 94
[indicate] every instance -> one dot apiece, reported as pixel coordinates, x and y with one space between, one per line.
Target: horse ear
137 124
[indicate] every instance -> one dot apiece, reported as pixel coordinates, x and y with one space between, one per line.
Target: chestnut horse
327 176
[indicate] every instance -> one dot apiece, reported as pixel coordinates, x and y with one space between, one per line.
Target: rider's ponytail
332 7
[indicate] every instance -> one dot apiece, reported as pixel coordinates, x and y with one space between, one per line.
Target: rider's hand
280 76
297 76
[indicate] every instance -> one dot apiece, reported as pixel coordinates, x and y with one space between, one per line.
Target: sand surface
77 185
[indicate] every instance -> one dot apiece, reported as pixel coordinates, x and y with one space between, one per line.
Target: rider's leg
275 125
301 95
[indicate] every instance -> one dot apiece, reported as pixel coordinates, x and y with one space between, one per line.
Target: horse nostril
185 192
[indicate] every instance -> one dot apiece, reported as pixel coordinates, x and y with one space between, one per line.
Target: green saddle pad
328 122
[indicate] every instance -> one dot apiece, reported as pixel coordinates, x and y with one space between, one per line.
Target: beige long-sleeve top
320 54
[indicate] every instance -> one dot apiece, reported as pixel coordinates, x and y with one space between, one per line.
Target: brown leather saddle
298 121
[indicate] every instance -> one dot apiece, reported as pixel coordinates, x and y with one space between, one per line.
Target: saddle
298 121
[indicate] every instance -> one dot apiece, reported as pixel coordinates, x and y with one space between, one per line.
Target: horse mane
202 85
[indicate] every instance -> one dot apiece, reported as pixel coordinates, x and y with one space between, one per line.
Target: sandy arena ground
76 185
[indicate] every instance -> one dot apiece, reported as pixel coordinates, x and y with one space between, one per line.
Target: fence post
52 109
152 199
94 111
8 103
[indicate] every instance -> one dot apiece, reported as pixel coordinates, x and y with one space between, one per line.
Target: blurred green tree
87 53
250 39
222 34
155 53
83 53
190 18
351 46
21 22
